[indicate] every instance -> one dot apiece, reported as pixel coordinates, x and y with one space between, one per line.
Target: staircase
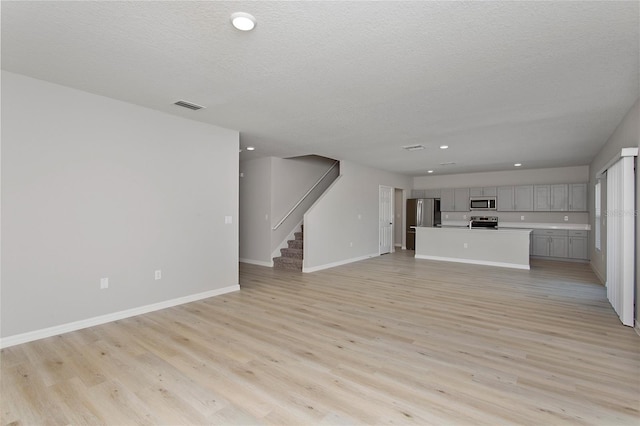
291 257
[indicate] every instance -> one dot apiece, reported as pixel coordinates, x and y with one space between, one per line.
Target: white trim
473 261
257 262
115 316
637 327
598 274
341 262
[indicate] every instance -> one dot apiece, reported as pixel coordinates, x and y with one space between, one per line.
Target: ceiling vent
449 163
188 105
413 147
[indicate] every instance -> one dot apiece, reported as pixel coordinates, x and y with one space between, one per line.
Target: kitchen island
496 247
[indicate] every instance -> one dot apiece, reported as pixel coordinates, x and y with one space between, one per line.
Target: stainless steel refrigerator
421 212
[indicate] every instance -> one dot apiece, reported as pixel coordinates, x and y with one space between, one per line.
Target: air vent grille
188 105
413 147
449 163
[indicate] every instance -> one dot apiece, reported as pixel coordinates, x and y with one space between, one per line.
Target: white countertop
525 225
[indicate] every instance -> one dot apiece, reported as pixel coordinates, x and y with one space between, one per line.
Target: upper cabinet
454 200
515 198
490 191
432 193
578 197
561 197
521 198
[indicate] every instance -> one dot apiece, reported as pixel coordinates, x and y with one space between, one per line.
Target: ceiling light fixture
243 21
251 148
517 165
444 146
429 171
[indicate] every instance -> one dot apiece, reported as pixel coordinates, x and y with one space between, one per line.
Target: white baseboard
602 279
637 327
257 262
474 262
338 263
103 319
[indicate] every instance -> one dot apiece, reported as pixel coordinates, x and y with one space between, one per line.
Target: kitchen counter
496 247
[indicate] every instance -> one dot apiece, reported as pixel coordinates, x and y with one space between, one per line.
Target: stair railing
304 196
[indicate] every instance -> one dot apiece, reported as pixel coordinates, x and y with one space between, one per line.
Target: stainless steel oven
482 203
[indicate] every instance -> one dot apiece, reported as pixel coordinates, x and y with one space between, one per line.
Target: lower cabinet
560 244
578 245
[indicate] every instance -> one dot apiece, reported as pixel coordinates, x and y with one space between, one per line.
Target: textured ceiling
541 83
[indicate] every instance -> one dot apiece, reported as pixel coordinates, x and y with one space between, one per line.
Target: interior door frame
391 214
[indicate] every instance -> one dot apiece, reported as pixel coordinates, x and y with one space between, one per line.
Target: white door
386 219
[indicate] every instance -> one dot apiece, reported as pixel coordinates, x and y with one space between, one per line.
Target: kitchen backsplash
529 217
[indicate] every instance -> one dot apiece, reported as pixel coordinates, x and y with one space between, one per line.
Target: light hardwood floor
389 340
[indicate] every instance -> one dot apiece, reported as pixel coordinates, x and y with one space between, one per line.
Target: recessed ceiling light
243 21
517 164
444 146
250 148
429 171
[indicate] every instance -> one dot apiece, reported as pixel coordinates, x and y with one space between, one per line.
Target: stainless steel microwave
482 203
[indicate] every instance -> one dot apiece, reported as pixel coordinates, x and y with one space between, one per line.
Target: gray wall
93 187
342 226
626 135
255 211
577 174
291 178
269 188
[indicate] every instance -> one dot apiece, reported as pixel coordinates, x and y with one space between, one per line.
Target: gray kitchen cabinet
489 191
559 198
461 199
515 198
554 198
550 243
447 200
523 195
578 197
454 200
541 198
432 193
578 245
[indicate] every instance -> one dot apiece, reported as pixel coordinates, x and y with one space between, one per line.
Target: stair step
291 263
291 252
296 244
298 235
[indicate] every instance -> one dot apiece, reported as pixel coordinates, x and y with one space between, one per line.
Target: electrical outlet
464 216
521 217
104 283
228 220
566 218
158 274
466 245
351 244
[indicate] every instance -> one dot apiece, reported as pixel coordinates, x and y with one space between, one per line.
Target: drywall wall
291 178
577 174
627 134
255 211
92 188
269 188
342 226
